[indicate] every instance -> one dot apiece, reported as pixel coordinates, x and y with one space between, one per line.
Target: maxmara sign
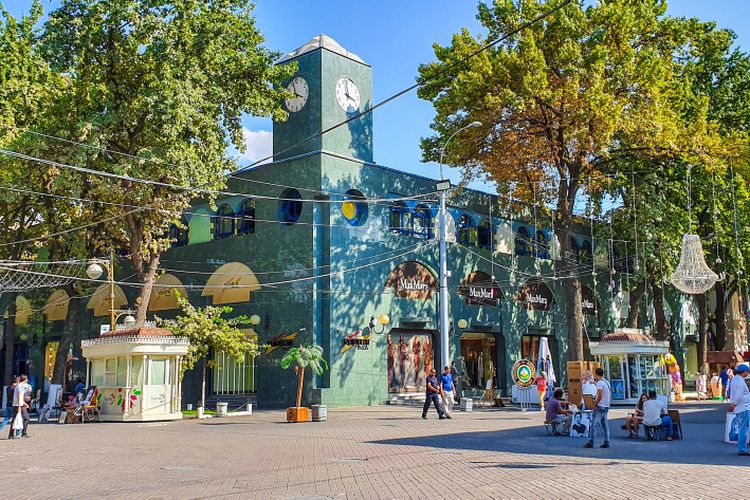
412 280
480 289
536 295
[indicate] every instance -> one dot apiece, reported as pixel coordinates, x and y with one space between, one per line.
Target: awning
56 307
480 289
23 310
412 280
99 302
231 283
163 296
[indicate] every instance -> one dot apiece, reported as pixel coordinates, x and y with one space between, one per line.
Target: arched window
246 216
586 252
179 235
523 242
466 231
484 234
422 222
223 222
575 249
542 245
355 208
290 207
398 218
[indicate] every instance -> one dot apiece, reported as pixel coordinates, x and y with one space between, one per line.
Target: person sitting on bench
556 415
655 415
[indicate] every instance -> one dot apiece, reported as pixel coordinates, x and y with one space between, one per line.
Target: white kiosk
137 373
633 363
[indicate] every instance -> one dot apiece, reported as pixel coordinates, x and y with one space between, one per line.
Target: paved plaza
377 452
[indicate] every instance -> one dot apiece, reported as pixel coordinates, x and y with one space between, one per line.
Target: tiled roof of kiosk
141 335
325 42
630 336
141 331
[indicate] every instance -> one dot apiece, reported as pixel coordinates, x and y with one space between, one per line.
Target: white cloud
258 144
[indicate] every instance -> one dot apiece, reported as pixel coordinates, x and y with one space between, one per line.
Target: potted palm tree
310 356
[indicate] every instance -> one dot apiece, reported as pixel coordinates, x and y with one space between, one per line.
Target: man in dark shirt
556 415
9 404
433 395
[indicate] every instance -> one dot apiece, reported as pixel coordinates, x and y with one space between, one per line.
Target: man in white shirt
601 409
739 399
654 414
21 397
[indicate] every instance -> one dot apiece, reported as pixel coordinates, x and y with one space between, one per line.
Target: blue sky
394 37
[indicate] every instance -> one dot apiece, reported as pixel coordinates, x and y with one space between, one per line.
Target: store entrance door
478 363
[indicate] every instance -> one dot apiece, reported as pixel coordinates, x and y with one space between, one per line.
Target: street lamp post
443 242
95 271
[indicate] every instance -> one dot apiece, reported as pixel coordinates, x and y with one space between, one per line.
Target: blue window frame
422 222
246 217
355 209
398 218
542 245
523 242
466 231
179 235
290 207
484 235
223 222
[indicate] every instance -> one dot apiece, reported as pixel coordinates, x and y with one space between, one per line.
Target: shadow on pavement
703 428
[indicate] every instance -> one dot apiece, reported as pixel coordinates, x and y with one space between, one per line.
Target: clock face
347 95
299 89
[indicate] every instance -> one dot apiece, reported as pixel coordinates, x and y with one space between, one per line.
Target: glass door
159 386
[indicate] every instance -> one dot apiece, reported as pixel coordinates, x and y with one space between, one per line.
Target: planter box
298 414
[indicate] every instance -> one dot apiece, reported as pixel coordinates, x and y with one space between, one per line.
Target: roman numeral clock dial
300 92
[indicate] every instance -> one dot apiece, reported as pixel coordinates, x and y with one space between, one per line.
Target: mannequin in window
480 370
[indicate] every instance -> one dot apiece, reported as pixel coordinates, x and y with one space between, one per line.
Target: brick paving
384 452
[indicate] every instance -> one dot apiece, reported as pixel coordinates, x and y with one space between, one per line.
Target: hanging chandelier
693 275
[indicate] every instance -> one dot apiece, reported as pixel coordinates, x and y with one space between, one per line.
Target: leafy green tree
562 99
209 332
162 86
308 356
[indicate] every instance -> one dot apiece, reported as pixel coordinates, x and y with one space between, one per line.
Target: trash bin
221 409
466 404
319 413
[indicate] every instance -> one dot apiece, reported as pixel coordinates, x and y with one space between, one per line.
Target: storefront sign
412 280
356 341
281 341
480 289
589 305
537 296
523 373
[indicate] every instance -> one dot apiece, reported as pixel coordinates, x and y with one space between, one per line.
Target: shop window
478 361
246 216
466 231
422 222
232 375
97 372
290 207
223 222
523 242
354 209
484 235
398 218
158 375
542 245
110 372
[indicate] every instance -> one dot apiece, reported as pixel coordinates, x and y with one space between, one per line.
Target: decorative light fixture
255 320
692 275
383 320
94 271
129 321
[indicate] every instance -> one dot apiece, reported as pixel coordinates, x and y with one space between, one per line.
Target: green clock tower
330 86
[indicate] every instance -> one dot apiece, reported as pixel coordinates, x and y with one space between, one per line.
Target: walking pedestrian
9 405
739 403
724 376
21 400
448 391
541 389
433 393
601 409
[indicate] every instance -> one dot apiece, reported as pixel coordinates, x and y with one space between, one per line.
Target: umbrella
544 362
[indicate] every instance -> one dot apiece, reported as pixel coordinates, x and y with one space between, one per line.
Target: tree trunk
720 337
634 308
702 332
203 383
662 327
10 338
148 280
71 323
299 386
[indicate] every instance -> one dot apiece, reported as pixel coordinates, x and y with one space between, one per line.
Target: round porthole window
354 209
290 207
